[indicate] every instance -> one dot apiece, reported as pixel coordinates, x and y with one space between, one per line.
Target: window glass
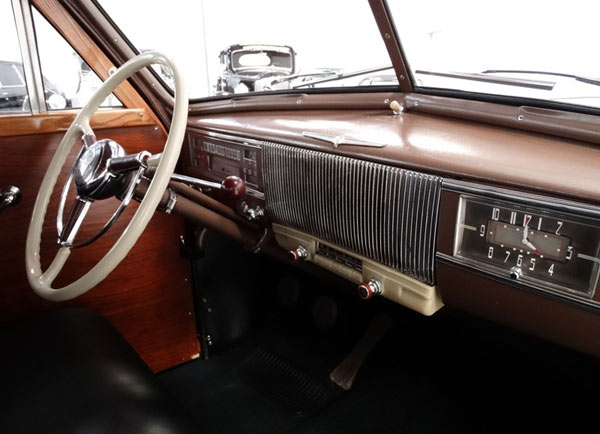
232 46
542 49
13 90
69 82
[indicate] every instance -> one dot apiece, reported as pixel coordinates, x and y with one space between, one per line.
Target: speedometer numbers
537 246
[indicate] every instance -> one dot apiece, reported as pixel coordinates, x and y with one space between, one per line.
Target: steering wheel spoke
88 139
79 210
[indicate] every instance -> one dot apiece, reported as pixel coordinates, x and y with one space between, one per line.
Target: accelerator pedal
345 373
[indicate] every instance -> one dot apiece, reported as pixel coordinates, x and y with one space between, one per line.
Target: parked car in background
13 91
244 65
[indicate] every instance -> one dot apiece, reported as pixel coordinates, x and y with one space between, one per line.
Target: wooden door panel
148 298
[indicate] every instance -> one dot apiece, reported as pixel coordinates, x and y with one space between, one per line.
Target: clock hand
531 246
526 241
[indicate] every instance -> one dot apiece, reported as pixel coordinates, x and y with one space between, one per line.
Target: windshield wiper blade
533 84
341 76
589 80
308 74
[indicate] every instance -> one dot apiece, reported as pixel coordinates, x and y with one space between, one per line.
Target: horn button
92 175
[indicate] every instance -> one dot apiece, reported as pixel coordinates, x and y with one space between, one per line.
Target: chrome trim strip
521 197
240 140
195 182
589 258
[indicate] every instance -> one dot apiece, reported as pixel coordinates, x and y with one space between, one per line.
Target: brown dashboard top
462 149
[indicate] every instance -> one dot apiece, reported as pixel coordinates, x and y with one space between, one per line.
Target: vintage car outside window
13 88
229 47
68 82
536 49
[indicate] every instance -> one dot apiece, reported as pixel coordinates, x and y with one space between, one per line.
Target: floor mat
288 385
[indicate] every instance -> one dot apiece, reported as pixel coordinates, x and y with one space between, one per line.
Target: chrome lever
233 187
9 196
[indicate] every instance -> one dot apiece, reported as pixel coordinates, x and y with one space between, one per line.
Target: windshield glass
532 49
230 46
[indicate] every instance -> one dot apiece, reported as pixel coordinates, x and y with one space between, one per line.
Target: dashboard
421 236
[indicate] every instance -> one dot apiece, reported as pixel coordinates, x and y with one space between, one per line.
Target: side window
68 81
13 89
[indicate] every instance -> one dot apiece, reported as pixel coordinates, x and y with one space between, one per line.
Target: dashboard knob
516 273
233 187
300 253
369 289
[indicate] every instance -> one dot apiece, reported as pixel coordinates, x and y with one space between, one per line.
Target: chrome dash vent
380 212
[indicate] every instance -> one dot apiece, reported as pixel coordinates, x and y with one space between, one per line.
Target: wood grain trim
19 125
81 42
148 297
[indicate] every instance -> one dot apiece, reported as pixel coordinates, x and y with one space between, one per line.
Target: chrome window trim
29 55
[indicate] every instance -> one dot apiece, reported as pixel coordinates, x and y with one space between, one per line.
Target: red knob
233 187
369 289
298 254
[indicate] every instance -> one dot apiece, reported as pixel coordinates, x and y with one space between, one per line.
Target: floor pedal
345 373
286 384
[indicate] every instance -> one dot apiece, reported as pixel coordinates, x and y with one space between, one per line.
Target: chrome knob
9 196
252 214
516 273
369 289
300 253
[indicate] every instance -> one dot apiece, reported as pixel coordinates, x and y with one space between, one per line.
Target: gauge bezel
571 210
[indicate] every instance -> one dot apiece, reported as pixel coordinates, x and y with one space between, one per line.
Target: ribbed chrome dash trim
381 212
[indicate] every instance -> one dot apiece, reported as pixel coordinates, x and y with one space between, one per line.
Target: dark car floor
444 374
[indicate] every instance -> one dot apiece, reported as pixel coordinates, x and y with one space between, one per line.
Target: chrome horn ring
94 179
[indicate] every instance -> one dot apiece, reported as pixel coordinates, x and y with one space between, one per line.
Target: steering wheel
100 171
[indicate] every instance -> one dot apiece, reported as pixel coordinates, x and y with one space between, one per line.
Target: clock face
529 243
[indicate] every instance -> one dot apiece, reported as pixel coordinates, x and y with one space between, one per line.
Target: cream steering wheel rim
41 282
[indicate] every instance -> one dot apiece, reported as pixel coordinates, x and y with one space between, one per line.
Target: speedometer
538 246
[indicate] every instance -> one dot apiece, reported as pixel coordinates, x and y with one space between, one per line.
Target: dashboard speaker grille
381 212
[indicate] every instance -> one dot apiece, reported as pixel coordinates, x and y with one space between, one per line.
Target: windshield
230 46
532 49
